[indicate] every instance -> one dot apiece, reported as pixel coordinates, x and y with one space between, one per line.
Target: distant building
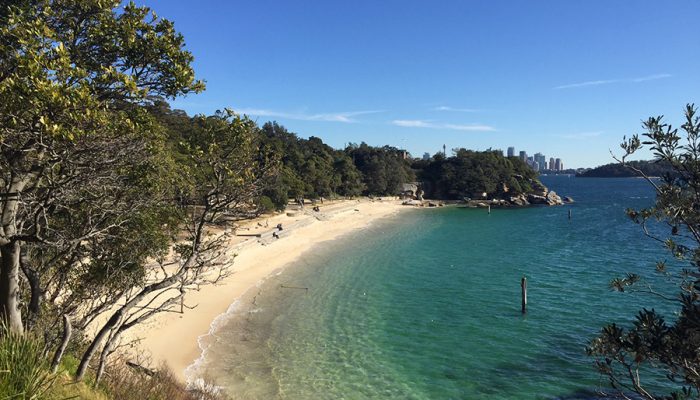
551 163
511 152
535 165
541 161
426 156
558 164
523 156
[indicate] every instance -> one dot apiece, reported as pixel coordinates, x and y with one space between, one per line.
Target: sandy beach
172 338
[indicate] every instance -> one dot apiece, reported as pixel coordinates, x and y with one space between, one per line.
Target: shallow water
426 305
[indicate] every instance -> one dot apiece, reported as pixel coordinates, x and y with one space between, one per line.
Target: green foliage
471 173
383 169
310 168
631 169
265 204
24 370
651 344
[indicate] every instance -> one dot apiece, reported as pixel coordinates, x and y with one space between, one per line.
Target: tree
225 169
73 74
469 173
667 345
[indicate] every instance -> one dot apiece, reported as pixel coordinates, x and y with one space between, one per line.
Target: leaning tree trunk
67 331
96 342
9 287
116 318
106 352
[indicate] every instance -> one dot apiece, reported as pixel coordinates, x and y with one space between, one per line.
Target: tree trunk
9 287
90 352
106 352
115 319
67 331
36 292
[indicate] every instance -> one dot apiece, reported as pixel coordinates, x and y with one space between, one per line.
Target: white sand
172 338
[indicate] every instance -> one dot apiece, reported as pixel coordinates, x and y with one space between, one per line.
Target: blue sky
565 78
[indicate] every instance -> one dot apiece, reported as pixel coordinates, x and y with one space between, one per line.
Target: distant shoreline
257 258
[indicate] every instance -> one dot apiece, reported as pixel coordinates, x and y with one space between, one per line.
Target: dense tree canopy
72 77
616 170
384 169
469 173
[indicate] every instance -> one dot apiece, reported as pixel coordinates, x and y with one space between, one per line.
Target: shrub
265 204
24 371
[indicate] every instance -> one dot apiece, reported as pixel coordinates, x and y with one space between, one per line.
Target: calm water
427 305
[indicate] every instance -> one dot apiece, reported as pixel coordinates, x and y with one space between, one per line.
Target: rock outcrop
539 195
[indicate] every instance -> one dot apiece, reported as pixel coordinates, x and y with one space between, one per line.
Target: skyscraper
541 161
551 163
523 156
511 152
557 164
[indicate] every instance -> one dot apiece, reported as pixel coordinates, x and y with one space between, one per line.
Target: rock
536 199
568 199
432 204
539 189
412 203
519 200
553 199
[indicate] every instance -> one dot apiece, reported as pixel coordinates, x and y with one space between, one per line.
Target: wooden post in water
569 213
489 209
523 286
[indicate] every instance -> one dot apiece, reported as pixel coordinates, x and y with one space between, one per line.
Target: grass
25 375
24 371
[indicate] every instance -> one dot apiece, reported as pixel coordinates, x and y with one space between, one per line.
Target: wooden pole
569 213
523 286
489 208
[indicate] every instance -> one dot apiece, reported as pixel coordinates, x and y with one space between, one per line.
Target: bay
426 305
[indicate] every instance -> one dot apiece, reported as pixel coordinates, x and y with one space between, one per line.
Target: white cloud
412 123
652 77
448 108
417 123
345 117
609 81
587 83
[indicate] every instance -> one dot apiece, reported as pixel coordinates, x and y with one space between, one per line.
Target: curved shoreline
175 340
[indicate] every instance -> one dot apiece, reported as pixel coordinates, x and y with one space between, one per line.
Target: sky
567 79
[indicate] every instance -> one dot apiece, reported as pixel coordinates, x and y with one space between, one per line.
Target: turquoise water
427 305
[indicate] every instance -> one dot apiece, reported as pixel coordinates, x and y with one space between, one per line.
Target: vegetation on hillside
656 346
471 173
630 169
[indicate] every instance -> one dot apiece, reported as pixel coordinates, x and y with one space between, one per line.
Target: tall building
557 164
551 163
523 156
511 152
541 161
